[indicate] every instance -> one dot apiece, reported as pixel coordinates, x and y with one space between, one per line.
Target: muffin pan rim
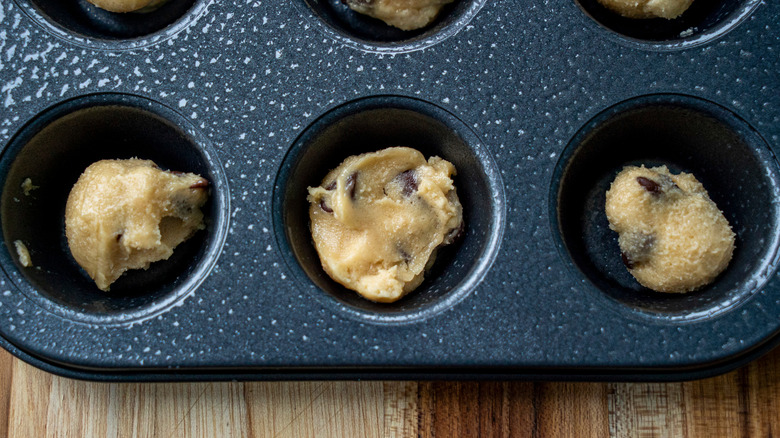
582 374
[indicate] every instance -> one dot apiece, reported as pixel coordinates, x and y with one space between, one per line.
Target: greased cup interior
52 151
363 32
704 21
688 134
373 124
83 23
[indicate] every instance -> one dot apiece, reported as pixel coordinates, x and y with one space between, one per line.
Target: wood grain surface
744 403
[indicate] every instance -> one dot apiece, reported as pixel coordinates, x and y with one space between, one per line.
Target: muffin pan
538 108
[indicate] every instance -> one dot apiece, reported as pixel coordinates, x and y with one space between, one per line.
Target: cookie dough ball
378 219
126 214
668 9
672 236
128 5
403 14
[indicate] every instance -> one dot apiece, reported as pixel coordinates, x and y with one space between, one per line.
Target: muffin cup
366 33
687 134
82 23
704 21
372 124
52 151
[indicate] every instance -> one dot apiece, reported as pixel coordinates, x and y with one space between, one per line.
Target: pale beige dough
378 219
403 14
128 5
28 186
23 254
668 9
672 236
126 214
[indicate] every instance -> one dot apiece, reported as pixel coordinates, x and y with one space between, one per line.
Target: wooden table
744 403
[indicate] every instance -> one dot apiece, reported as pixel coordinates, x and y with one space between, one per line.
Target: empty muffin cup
372 124
363 32
702 22
80 22
45 159
686 134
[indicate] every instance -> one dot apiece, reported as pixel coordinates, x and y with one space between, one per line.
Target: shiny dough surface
673 238
378 219
668 9
403 14
127 214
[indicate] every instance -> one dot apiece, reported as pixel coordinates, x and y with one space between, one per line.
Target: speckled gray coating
251 76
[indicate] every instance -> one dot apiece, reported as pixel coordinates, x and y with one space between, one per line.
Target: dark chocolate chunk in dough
408 180
350 185
649 185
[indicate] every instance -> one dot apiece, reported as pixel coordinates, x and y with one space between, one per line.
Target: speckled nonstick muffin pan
538 105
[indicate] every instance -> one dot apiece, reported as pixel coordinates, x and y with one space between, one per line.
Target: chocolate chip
454 234
349 187
200 184
637 247
649 185
408 180
119 237
627 260
331 186
405 256
325 207
645 243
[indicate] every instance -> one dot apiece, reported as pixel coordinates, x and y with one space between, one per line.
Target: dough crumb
22 253
378 219
27 186
669 9
672 237
403 14
127 214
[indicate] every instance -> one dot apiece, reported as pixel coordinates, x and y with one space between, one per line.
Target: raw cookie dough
378 219
672 236
128 5
22 253
28 186
403 14
126 214
668 9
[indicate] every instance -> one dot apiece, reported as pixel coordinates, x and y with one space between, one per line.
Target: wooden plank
6 379
742 404
571 409
326 409
492 409
520 407
760 384
448 409
715 407
644 410
29 415
400 409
